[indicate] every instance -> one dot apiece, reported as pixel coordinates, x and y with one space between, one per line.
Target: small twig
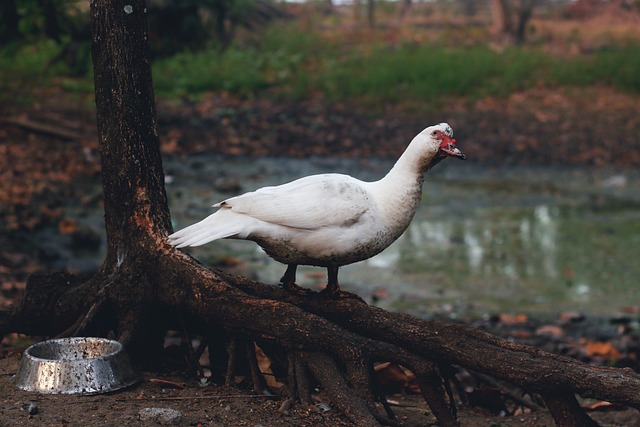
386 404
43 128
445 372
191 354
286 405
232 396
167 383
326 371
401 405
432 389
566 411
81 323
259 383
231 363
520 400
302 379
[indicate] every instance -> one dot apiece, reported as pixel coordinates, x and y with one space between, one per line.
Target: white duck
327 220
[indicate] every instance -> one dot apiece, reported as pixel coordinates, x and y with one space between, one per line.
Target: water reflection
535 258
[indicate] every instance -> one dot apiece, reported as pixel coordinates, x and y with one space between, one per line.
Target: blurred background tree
174 26
488 47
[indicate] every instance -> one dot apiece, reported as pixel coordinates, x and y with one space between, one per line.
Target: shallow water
483 241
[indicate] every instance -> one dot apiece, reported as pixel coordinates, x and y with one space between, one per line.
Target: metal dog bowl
75 366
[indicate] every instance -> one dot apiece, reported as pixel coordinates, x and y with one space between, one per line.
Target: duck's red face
448 146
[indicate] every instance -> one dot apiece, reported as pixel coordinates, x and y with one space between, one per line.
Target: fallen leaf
264 364
601 348
604 406
230 261
391 377
570 317
513 319
550 330
315 275
380 293
67 226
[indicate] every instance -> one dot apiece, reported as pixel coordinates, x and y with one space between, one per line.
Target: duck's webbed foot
333 287
288 281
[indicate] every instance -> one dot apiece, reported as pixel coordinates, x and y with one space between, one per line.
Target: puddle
532 240
483 241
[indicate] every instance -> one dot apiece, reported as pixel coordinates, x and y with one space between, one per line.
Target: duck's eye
434 133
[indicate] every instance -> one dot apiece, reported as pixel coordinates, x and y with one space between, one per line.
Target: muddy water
483 241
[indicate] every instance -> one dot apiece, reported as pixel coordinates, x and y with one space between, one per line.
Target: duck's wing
311 202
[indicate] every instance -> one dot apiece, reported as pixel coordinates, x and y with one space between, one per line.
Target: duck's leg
289 277
333 287
288 281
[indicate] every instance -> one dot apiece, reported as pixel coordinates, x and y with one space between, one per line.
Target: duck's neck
410 168
402 186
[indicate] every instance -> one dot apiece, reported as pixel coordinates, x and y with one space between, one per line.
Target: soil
48 146
220 406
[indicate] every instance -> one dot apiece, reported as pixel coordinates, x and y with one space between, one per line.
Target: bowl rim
72 340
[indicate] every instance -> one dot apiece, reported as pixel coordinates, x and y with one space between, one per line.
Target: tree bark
9 17
133 179
510 19
525 12
501 17
146 286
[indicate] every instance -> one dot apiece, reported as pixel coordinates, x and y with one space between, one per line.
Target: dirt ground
219 406
48 146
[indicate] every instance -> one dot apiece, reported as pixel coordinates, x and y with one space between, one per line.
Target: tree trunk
510 20
525 12
405 7
8 21
146 286
501 18
355 9
51 13
132 176
136 209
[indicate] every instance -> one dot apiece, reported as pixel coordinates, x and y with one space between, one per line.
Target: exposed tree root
332 343
229 379
348 399
509 392
432 390
566 411
299 385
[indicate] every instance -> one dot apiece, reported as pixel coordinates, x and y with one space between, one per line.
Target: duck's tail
218 225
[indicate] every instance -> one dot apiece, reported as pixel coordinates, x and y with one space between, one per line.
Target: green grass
23 68
278 61
618 67
429 72
290 62
294 64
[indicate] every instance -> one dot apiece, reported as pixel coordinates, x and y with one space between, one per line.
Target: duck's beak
448 147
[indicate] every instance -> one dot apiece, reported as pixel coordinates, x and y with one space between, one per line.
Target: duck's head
438 140
442 134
